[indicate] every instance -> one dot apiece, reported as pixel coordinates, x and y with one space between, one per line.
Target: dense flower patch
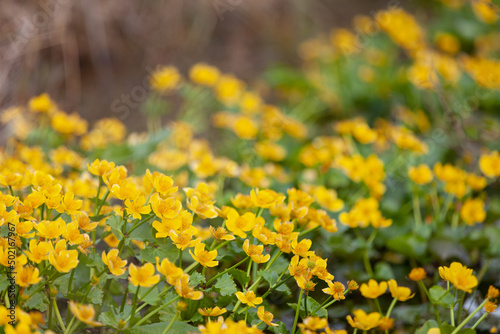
365 198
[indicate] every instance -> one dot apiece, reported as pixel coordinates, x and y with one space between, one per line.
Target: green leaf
94 260
109 319
38 301
149 254
428 325
226 285
99 217
383 271
195 279
151 298
280 329
409 245
440 296
115 222
312 305
143 233
240 276
95 295
272 278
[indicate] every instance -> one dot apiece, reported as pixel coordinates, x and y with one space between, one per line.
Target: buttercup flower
84 313
249 298
373 289
116 265
205 258
266 316
143 276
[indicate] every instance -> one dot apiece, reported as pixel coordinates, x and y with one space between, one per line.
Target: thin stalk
463 323
388 314
170 324
480 320
134 305
297 311
228 269
58 315
158 309
416 209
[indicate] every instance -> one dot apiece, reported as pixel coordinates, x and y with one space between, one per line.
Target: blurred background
86 54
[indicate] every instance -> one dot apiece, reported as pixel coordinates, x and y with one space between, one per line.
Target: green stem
69 329
180 258
452 310
246 313
134 305
460 305
416 209
309 230
170 324
480 320
379 309
228 269
158 309
58 315
297 311
388 314
366 262
463 323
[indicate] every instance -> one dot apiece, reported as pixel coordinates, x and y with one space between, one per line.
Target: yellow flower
42 103
448 43
245 128
137 207
165 208
84 222
485 10
183 289
69 205
269 150
472 211
493 292
116 265
476 182
51 229
373 289
203 74
364 321
302 248
164 185
421 174
241 224
205 258
38 251
212 311
100 167
64 260
249 298
335 289
327 198
183 239
221 233
266 316
265 198
490 164
84 313
72 234
255 252
165 79
169 270
401 293
143 276
460 276
27 275
314 324
386 323
490 307
203 210
417 274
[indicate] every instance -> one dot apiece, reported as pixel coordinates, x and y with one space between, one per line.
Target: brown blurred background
85 54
